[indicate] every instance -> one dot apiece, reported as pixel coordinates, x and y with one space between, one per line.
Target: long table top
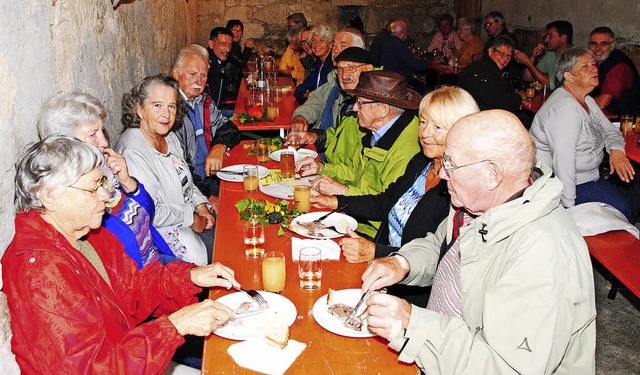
286 108
326 353
632 149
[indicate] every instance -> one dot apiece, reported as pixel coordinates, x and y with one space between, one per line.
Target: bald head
490 156
497 135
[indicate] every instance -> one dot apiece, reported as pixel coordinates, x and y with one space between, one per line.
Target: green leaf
280 231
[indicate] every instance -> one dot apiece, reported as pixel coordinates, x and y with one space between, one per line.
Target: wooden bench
619 253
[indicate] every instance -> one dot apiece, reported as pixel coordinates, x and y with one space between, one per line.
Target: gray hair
53 163
191 49
356 35
293 33
140 92
323 31
464 23
567 62
63 113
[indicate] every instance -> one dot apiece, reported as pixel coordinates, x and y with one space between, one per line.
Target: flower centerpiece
268 213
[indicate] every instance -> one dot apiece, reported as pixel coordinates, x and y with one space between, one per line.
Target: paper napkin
330 250
260 356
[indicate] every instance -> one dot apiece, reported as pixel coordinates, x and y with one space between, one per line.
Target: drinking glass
254 238
456 65
274 272
301 198
263 147
310 268
626 125
272 105
287 164
250 180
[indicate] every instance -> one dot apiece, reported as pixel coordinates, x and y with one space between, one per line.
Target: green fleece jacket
369 170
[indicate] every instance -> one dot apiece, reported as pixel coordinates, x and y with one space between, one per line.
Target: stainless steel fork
254 295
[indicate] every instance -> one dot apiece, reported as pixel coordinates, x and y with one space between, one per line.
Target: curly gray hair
53 163
63 113
567 62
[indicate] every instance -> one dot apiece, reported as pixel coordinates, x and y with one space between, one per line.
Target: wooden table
631 148
326 353
286 108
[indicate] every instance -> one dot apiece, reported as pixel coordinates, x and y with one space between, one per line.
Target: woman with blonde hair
418 201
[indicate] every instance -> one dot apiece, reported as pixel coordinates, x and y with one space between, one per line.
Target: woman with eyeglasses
78 303
155 157
321 45
418 201
572 134
484 79
130 209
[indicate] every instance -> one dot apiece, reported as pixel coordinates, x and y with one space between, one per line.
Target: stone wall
585 15
265 20
51 46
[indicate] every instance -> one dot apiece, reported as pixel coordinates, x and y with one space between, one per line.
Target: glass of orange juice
250 173
274 272
263 148
287 164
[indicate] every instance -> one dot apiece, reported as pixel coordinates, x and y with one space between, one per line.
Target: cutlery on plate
254 295
245 314
355 308
226 171
327 214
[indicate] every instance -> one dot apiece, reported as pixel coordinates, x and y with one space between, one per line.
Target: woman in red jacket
77 301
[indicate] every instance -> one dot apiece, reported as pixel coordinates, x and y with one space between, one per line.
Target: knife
245 314
355 309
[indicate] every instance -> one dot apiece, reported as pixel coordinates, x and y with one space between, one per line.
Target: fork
253 294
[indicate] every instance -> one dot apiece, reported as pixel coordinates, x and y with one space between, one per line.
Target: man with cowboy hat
386 111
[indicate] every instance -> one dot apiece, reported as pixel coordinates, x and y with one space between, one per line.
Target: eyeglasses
487 24
348 68
509 56
601 44
103 183
361 103
319 40
449 167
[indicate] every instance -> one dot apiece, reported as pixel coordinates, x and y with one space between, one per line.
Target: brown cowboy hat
386 87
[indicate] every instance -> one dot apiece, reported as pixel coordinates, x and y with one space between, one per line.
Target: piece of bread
278 335
330 297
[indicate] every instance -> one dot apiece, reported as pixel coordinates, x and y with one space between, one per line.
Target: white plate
284 189
334 218
302 153
255 326
232 177
334 324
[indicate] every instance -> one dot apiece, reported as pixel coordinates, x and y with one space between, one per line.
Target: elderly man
389 51
495 25
512 283
323 105
484 80
446 39
219 47
350 63
386 109
542 68
205 134
618 90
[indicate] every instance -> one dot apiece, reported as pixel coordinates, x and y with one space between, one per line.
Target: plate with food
250 325
298 155
233 173
334 226
284 189
331 310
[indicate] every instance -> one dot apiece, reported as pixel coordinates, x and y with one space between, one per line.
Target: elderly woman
77 301
471 44
155 158
572 134
321 45
418 201
130 210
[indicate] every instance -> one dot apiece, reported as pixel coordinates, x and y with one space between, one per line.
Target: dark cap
355 54
386 87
